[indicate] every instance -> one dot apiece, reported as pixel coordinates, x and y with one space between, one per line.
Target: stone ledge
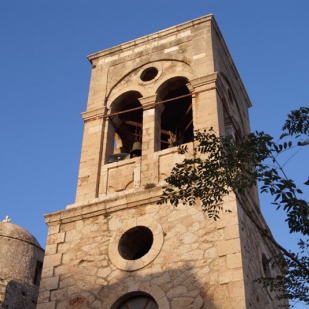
104 206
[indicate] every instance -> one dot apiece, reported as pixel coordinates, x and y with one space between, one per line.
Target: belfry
115 248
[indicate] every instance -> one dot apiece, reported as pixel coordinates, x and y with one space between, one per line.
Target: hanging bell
136 150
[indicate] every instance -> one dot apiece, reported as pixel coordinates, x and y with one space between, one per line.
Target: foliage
220 165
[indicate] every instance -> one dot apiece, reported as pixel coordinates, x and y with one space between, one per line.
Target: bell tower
115 247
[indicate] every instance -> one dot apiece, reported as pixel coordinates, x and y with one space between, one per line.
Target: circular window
149 74
135 243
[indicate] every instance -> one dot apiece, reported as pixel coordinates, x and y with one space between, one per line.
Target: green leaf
283 135
304 143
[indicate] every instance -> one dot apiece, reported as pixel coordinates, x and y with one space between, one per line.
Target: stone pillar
205 102
149 142
91 156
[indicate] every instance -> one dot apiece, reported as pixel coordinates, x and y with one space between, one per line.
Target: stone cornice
94 114
204 81
148 38
104 206
148 102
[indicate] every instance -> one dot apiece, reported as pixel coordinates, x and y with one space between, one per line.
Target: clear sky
44 79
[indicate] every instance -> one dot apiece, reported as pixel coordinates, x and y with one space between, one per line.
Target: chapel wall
21 260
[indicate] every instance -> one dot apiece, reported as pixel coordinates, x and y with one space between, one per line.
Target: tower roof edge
159 34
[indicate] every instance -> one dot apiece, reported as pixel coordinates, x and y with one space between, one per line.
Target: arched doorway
135 300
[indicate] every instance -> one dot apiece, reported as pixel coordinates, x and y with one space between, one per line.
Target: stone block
234 260
52 260
211 253
228 247
236 289
49 284
53 229
163 303
68 226
51 249
181 302
47 272
231 231
55 238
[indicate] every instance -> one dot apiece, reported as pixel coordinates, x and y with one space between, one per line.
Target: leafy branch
221 165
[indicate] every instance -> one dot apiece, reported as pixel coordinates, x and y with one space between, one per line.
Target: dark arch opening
135 300
128 122
176 118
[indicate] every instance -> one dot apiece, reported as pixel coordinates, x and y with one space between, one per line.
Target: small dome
11 230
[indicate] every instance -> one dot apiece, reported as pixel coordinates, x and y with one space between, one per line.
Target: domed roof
11 230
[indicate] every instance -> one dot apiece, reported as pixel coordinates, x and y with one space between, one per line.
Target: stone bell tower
115 247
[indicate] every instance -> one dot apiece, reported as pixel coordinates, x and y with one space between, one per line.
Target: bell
136 150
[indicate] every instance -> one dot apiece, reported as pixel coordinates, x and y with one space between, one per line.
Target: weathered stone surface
49 305
52 260
228 247
49 283
234 260
55 238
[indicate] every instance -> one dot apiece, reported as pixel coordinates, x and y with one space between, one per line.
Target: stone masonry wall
253 247
195 266
198 263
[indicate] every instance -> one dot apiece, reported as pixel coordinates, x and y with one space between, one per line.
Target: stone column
205 102
91 155
149 170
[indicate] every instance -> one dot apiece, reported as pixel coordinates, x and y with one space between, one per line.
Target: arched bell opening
127 121
176 117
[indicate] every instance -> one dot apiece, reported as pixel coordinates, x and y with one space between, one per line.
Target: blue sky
44 79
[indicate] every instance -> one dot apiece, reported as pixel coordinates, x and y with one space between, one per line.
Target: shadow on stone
173 288
20 295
